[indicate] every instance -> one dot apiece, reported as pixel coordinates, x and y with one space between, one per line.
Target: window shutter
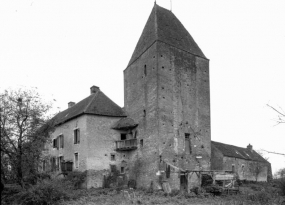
62 141
57 142
78 136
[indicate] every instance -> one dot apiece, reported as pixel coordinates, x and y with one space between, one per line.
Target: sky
63 47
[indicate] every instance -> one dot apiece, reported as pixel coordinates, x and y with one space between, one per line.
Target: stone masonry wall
69 149
140 81
101 144
246 169
167 93
184 109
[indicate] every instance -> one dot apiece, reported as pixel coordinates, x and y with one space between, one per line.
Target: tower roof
162 25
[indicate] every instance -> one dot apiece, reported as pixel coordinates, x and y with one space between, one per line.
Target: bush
76 178
282 185
45 192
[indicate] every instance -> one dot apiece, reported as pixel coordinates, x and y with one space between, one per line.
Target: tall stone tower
166 85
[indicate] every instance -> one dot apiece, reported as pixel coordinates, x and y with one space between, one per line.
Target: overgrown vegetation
46 191
24 129
65 191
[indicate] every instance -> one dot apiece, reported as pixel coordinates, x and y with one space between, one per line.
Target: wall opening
122 170
76 160
145 71
141 142
188 149
144 113
233 168
113 157
123 136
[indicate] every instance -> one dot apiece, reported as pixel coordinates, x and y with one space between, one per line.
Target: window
122 170
53 164
61 161
136 133
55 143
123 136
76 136
233 168
113 168
76 164
61 141
187 144
113 157
167 171
141 142
44 165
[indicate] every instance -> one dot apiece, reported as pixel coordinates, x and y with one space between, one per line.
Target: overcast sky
63 47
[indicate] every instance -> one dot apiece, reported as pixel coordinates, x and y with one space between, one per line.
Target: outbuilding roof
238 152
95 104
125 123
164 26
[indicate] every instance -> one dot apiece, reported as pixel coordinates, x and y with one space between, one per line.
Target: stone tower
166 85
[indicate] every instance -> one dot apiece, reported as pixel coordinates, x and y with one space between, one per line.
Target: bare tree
24 130
256 168
280 114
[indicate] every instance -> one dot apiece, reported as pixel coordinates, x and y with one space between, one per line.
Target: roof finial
170 5
154 1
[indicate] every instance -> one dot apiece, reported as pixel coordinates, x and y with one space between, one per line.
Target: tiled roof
125 123
238 152
163 25
95 104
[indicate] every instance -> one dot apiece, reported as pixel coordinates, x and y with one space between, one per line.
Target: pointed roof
95 104
163 25
238 152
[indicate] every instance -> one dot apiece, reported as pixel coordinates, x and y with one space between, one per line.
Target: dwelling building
165 124
245 162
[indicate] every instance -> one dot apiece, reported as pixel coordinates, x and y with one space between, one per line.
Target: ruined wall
167 92
246 169
67 129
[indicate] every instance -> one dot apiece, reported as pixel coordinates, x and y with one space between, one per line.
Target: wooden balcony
126 145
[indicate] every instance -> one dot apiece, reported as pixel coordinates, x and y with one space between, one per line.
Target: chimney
249 147
70 104
94 89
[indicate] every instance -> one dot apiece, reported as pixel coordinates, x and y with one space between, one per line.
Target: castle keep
164 128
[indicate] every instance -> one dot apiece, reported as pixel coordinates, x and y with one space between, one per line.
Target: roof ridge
86 108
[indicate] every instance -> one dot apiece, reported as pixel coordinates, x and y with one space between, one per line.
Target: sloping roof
95 104
163 25
125 123
238 152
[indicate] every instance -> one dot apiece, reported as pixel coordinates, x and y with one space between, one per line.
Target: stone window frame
76 135
76 163
112 157
60 159
60 139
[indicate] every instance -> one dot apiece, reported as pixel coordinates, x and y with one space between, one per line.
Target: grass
64 192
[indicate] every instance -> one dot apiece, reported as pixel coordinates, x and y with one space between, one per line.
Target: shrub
282 185
45 192
76 178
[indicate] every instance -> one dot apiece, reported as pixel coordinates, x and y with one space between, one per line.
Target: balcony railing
124 145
